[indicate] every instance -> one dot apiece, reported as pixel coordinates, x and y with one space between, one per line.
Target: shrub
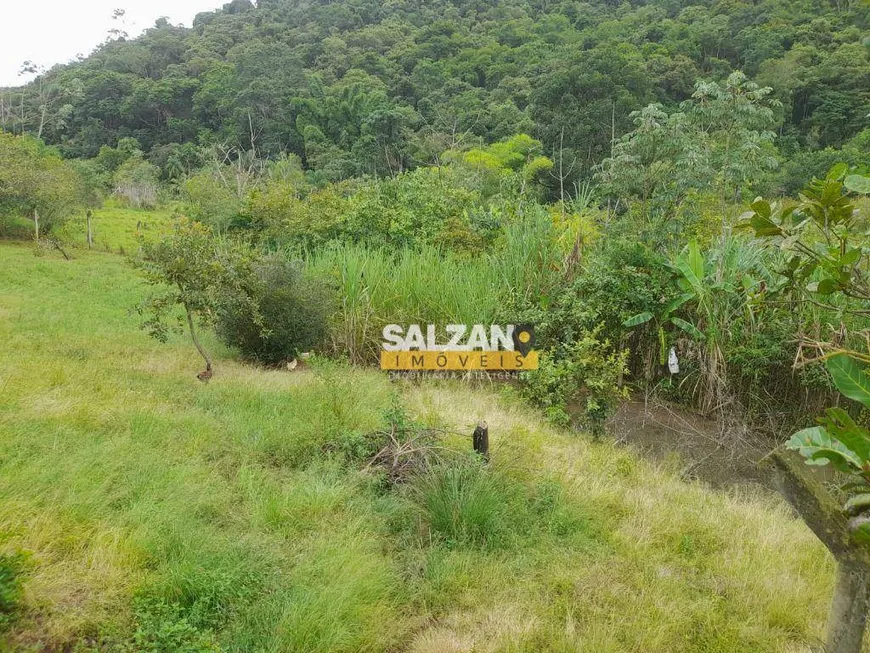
463 502
281 215
35 181
210 201
582 375
194 271
289 314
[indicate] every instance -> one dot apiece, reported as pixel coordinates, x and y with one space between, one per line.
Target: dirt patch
720 454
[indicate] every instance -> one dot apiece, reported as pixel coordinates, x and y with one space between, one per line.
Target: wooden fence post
480 440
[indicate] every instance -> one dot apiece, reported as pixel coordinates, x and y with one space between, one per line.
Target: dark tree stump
480 440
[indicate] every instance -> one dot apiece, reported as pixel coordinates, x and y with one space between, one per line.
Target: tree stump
480 440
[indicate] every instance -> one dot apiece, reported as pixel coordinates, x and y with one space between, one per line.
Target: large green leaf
849 378
843 428
761 208
764 226
695 259
640 318
689 328
857 183
818 447
837 171
675 303
690 264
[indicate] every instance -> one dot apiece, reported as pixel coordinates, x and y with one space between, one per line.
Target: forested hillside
364 87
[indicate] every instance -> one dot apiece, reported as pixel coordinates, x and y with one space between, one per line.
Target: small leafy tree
583 374
36 183
827 248
198 273
720 140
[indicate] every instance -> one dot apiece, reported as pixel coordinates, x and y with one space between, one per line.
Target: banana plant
691 273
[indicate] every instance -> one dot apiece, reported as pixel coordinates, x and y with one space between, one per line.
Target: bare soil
722 455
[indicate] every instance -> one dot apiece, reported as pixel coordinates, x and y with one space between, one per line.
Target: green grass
115 227
155 513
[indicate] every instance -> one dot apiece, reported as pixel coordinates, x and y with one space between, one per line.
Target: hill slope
161 512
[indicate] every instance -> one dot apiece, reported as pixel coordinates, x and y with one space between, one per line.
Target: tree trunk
36 224
90 232
196 340
42 121
825 517
848 615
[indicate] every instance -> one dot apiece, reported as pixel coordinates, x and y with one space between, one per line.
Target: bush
210 201
35 180
619 279
281 216
291 314
582 375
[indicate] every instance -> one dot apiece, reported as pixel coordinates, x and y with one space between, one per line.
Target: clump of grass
422 286
463 503
10 587
162 627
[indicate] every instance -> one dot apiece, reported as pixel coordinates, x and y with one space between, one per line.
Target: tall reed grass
424 285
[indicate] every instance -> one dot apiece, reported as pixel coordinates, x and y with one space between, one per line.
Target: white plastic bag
673 363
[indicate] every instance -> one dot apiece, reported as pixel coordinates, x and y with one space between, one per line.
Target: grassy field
156 513
115 227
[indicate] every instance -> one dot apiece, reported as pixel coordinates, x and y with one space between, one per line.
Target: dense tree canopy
364 87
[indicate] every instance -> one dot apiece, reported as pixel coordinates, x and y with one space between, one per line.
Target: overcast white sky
55 31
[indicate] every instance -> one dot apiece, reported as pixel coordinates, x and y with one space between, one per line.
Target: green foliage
196 273
136 182
376 287
581 376
515 162
11 567
839 439
162 627
720 139
375 89
209 201
826 242
288 314
822 234
33 178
